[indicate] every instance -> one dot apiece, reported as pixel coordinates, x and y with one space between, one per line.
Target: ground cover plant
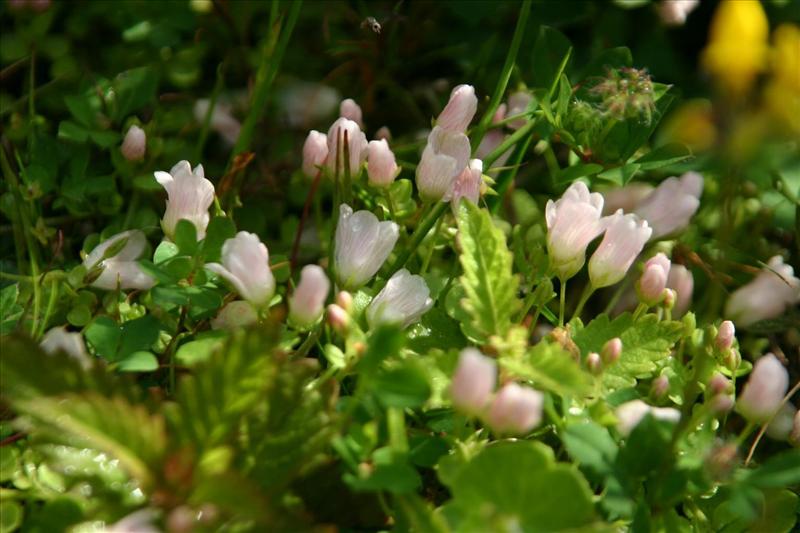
399 266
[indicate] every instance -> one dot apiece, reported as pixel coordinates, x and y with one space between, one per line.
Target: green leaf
645 343
591 446
488 282
134 89
186 237
140 361
520 482
620 175
10 516
550 56
609 58
391 472
781 470
570 174
70 131
405 386
103 335
550 368
105 139
200 349
137 335
647 448
219 230
662 156
165 250
384 342
81 109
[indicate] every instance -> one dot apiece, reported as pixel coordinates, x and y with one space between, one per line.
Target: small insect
371 23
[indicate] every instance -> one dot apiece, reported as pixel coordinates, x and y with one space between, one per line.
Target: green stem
506 178
588 290
419 234
505 75
562 301
271 58
510 141
428 257
640 310
51 304
395 421
310 341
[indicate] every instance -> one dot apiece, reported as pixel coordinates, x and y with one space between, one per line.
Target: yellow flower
786 56
737 47
691 124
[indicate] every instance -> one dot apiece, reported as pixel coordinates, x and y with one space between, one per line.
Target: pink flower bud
725 335
680 280
611 351
338 318
315 152
307 301
629 414
773 290
625 237
473 381
718 384
594 363
763 393
122 269
236 314
670 207
458 112
383 133
134 144
382 168
573 221
654 280
245 265
189 195
344 300
346 130
659 387
515 410
467 185
721 404
668 299
445 156
350 110
732 359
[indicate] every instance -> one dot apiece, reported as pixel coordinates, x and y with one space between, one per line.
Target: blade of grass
505 75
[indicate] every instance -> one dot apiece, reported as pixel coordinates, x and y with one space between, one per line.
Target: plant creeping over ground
333 266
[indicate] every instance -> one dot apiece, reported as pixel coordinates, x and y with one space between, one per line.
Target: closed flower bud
611 351
467 185
315 152
623 241
362 245
350 110
651 285
307 301
659 387
670 207
338 318
245 265
515 410
458 112
780 428
718 384
594 363
383 133
189 195
445 156
403 300
134 144
732 359
473 382
122 269
725 335
721 404
773 290
629 414
763 393
681 281
382 168
58 340
668 300
344 300
235 314
573 221
341 130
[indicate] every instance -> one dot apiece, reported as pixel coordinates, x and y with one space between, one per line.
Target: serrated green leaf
644 343
591 445
489 284
550 368
405 386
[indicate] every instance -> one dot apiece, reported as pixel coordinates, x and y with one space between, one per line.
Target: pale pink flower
515 410
467 185
773 290
670 207
58 340
307 301
315 152
236 314
356 144
350 110
651 285
763 393
624 239
458 113
725 335
681 281
629 414
135 143
444 158
625 198
675 12
189 195
382 168
573 221
362 244
122 269
403 300
245 265
473 381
